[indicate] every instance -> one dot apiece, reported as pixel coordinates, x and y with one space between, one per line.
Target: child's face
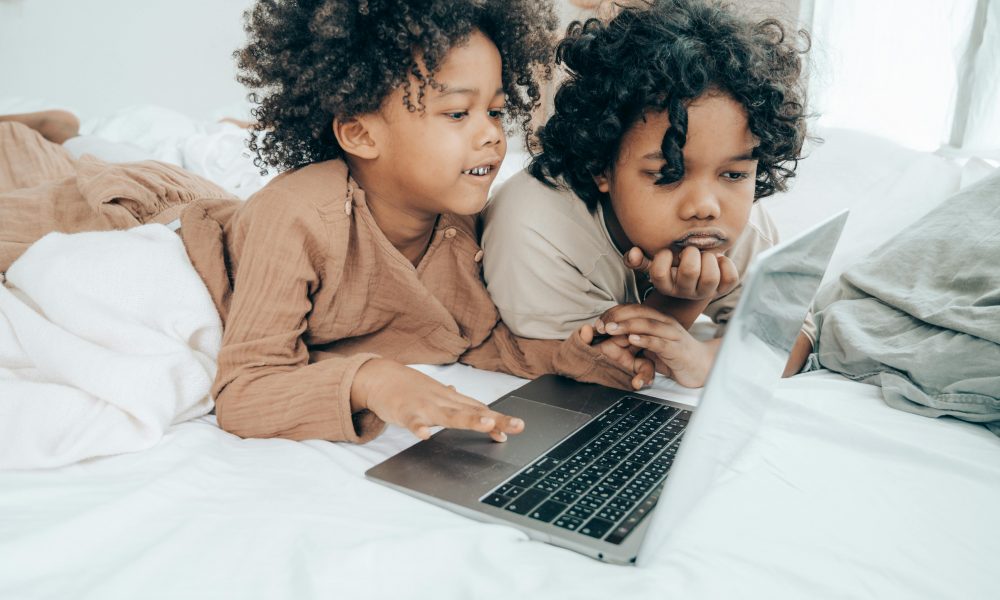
710 206
443 160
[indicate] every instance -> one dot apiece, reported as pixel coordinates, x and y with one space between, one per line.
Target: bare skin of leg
54 125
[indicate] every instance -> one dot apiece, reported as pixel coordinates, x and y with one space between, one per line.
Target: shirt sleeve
532 246
529 358
266 385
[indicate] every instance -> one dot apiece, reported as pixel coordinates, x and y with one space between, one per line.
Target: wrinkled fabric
44 189
309 289
106 340
921 315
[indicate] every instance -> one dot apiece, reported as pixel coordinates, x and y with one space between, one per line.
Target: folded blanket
106 339
921 315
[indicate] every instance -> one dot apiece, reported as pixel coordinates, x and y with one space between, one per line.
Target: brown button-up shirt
309 289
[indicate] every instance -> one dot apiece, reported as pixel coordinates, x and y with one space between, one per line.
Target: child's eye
457 116
735 175
496 113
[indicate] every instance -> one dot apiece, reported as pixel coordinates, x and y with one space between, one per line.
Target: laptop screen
777 291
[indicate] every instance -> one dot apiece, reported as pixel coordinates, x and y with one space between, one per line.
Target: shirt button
450 232
478 257
347 208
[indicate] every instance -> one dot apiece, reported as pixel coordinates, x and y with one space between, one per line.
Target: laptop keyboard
602 480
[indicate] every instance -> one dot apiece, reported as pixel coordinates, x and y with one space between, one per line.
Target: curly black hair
661 56
308 61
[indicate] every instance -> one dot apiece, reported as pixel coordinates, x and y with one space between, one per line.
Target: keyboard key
579 512
497 500
565 496
577 486
546 464
610 514
512 491
522 481
547 511
619 503
590 502
634 518
596 528
547 485
614 481
533 472
602 491
573 443
570 523
523 504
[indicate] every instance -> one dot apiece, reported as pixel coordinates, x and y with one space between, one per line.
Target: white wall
97 56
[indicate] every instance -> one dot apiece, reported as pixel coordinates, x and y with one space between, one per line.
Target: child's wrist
362 384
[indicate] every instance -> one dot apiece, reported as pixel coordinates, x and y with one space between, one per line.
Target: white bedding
838 496
96 370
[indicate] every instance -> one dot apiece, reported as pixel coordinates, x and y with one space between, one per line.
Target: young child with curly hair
639 211
387 117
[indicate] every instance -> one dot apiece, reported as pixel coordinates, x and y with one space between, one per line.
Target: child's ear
602 182
355 137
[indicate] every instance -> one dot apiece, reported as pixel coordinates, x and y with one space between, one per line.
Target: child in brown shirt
362 257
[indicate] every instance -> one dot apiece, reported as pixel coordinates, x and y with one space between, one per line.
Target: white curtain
923 73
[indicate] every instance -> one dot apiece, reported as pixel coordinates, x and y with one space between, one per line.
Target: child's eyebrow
748 155
466 91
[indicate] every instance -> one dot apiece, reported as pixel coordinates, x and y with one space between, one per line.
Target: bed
836 496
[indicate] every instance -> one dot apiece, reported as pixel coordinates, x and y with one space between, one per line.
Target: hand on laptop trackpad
544 426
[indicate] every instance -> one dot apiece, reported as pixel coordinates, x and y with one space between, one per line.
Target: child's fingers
688 272
418 427
671 332
729 275
636 260
708 282
626 312
644 372
660 272
469 413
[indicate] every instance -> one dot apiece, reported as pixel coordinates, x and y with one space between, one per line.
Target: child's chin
468 205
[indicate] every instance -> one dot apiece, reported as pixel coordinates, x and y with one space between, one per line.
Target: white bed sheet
837 496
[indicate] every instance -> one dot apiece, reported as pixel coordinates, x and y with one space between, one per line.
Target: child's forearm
683 310
797 357
530 358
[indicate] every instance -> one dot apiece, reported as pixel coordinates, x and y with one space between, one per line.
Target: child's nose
490 133
700 203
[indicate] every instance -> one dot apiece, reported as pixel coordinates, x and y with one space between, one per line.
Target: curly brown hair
659 56
309 61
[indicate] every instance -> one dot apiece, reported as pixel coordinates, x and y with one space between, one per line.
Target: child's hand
690 274
403 396
623 354
674 352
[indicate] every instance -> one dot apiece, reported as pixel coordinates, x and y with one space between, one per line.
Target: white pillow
886 187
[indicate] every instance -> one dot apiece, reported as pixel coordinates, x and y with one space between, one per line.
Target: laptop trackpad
544 426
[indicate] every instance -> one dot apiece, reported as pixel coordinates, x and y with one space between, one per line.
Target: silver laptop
593 462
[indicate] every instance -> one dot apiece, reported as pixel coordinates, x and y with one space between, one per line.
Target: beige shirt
550 264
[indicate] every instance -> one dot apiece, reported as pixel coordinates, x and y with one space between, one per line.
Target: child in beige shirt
639 211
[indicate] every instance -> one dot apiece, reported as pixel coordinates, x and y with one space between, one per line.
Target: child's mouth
700 240
481 171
